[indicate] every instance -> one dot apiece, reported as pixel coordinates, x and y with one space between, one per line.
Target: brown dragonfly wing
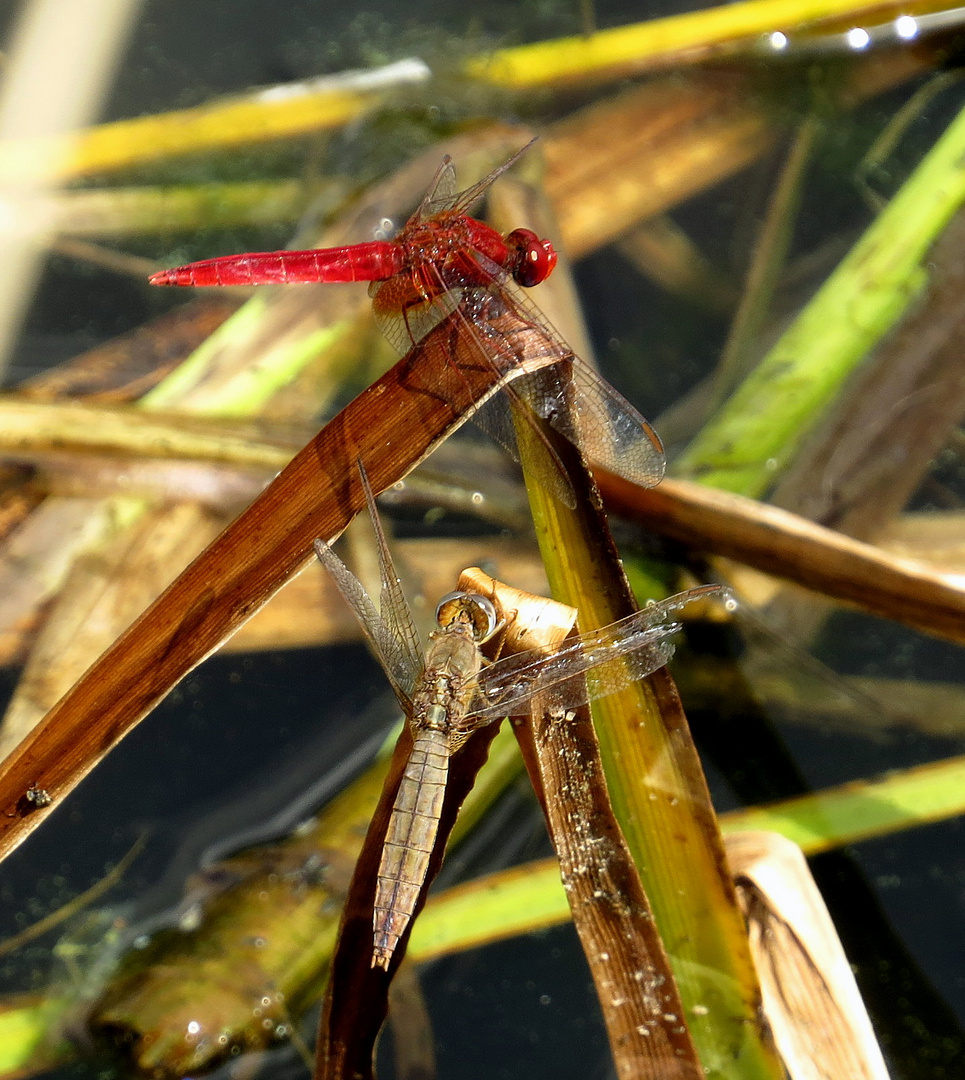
521 351
519 341
385 645
524 348
398 625
509 345
572 399
495 419
482 334
611 658
390 630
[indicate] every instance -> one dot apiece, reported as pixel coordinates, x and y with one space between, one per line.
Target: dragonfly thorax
451 250
448 682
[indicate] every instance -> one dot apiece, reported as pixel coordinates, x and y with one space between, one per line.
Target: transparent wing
513 335
496 420
405 325
583 408
525 675
611 659
395 614
586 409
442 194
502 339
381 641
391 631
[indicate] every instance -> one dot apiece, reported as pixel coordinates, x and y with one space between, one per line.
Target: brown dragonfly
449 689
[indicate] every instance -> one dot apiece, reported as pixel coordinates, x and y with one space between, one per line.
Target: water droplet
190 919
906 27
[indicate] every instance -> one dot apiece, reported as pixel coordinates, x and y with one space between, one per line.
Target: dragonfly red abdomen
372 261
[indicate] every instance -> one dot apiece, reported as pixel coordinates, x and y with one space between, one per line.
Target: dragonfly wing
588 411
510 351
441 192
404 324
581 406
556 674
380 637
584 408
400 637
495 419
464 201
611 658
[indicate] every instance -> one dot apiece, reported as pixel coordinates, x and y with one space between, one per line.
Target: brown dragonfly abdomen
409 841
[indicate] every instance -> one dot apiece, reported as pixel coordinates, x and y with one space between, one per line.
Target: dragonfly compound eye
533 259
477 611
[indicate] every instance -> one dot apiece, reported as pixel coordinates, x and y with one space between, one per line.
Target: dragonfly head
531 260
471 611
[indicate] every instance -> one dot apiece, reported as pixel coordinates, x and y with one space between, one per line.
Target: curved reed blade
390 427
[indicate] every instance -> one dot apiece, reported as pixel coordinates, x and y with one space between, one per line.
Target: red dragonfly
444 263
